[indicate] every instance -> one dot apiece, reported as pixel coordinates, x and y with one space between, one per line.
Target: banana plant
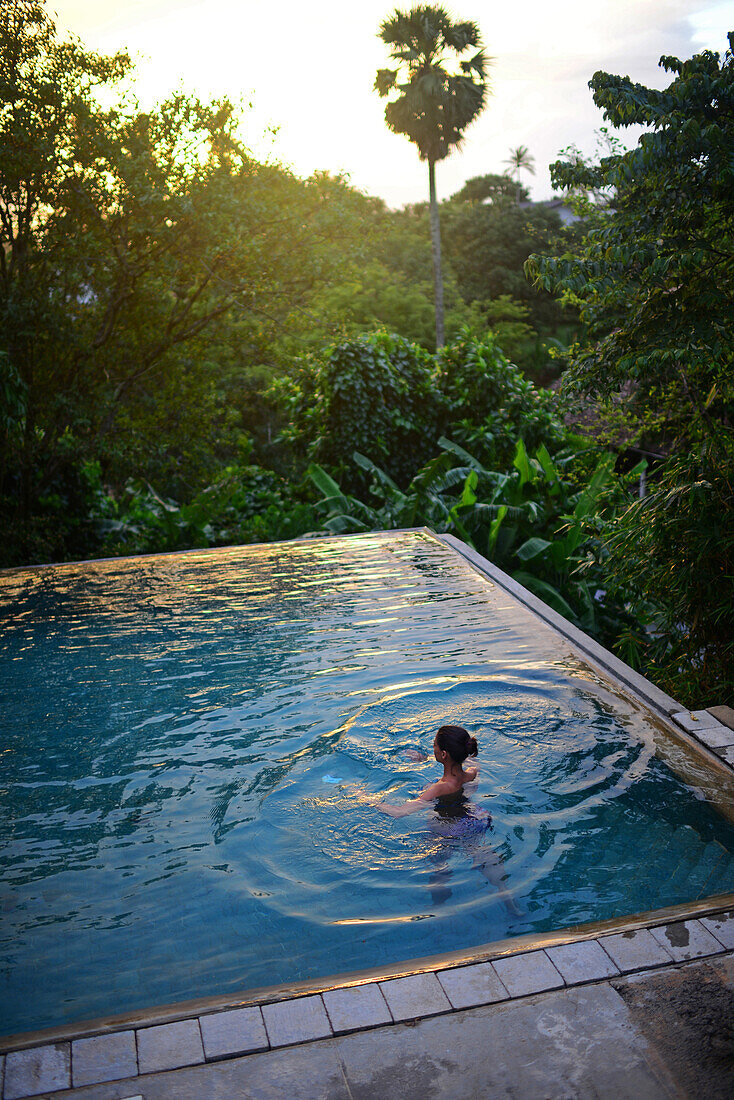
531 520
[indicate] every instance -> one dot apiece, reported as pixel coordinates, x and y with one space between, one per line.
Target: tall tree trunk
436 251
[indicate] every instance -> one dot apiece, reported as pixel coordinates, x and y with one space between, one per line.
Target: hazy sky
308 69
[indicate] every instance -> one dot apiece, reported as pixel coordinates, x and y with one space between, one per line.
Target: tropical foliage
385 396
532 520
654 283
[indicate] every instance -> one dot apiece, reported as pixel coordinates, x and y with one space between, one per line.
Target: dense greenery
199 349
383 395
654 283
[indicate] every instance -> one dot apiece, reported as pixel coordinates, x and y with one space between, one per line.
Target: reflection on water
186 745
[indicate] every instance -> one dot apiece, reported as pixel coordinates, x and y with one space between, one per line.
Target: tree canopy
654 282
655 279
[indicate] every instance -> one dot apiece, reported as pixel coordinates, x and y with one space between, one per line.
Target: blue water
186 745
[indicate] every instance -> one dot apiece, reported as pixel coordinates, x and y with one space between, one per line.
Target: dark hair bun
457 742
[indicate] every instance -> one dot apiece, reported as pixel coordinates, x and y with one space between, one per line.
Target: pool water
187 742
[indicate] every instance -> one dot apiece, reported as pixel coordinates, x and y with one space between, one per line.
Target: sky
305 73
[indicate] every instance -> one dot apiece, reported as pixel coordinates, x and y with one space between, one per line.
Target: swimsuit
470 824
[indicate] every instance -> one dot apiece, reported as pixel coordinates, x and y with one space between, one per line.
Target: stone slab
722 927
40 1069
727 754
296 1021
586 961
357 1007
719 737
414 996
168 1046
531 972
307 1072
237 1031
696 720
467 986
725 715
635 950
569 1044
104 1058
686 939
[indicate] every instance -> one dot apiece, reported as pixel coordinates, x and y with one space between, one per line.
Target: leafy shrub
489 402
532 521
375 393
390 399
245 505
672 558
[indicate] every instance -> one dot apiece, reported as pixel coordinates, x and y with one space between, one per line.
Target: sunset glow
308 73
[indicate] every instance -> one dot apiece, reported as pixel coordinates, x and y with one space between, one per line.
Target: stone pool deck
638 1014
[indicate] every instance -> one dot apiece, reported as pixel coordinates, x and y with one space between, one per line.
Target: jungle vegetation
201 349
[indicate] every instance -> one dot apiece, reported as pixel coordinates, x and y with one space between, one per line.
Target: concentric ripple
193 746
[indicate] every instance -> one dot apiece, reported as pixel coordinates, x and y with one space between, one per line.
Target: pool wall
675 720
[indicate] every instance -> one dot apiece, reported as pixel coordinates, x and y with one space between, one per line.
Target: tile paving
169 1046
237 1031
722 927
686 939
530 972
586 961
223 1037
296 1021
104 1058
467 986
356 1008
40 1069
415 996
636 950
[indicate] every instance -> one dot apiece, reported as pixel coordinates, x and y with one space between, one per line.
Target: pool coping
679 722
698 730
133 1046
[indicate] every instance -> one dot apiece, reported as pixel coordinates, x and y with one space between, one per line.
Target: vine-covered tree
439 92
654 281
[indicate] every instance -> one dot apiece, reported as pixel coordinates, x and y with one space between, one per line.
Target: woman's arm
414 804
403 809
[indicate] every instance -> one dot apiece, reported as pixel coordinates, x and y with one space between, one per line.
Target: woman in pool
451 746
456 817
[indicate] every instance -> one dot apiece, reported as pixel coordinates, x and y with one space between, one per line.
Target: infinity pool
187 741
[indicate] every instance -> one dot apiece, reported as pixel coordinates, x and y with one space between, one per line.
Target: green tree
654 281
439 94
134 247
488 237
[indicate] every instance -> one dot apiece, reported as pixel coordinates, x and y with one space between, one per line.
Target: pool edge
428 964
661 705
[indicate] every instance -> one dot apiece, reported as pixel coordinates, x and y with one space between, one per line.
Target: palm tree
519 161
439 94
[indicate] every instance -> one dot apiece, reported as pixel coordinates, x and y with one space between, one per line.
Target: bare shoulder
435 790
